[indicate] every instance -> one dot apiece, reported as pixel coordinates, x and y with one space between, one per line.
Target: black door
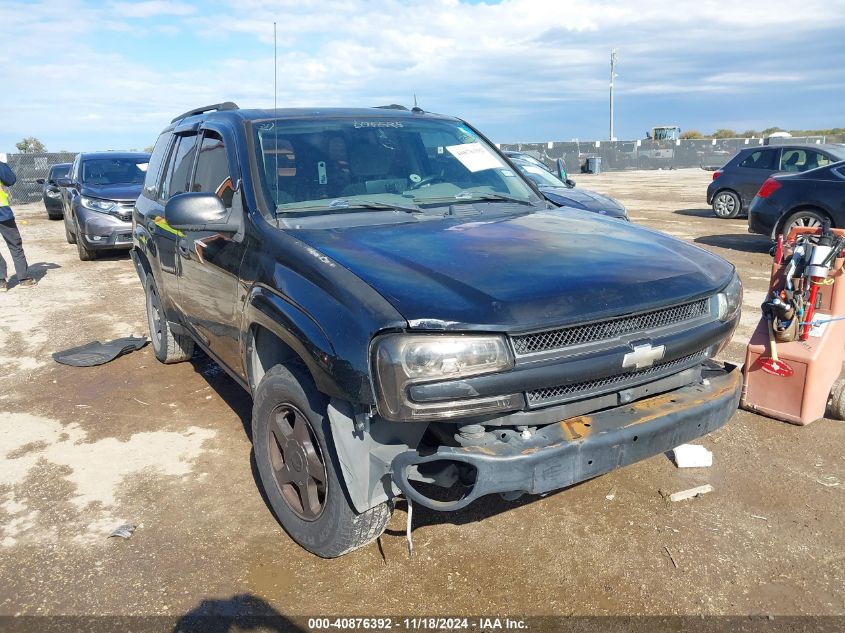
209 261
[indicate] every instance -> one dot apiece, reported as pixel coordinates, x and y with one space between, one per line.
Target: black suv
410 315
50 191
98 196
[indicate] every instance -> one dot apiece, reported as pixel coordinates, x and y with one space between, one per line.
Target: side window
761 159
815 159
212 172
179 167
154 167
74 170
793 160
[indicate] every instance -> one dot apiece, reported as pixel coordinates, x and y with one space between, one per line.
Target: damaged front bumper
579 448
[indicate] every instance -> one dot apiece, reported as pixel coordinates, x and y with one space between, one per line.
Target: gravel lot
167 448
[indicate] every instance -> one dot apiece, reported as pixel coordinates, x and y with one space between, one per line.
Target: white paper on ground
692 456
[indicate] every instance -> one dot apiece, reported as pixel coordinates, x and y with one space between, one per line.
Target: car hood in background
120 192
583 199
520 272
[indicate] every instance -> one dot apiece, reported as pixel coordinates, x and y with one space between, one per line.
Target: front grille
573 391
611 328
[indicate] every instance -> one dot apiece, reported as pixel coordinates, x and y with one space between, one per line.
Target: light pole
612 77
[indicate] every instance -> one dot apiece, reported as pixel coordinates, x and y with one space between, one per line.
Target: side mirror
201 212
561 169
64 182
40 181
569 183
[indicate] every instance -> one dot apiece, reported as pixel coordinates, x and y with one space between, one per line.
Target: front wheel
726 205
85 254
299 468
69 236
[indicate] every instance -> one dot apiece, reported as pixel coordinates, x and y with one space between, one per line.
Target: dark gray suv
98 196
735 185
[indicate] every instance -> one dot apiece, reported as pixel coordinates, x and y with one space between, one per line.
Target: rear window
761 159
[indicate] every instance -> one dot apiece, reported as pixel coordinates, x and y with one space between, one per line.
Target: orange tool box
796 382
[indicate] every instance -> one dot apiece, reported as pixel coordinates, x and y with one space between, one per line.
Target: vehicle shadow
696 213
736 242
243 612
224 385
112 256
39 269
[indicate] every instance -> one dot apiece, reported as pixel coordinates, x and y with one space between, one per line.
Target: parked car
564 192
98 196
50 192
405 309
805 199
734 185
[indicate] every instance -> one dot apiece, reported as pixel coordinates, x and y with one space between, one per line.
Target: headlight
400 360
729 300
95 204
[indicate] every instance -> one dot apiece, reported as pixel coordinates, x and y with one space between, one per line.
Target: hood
583 199
520 272
121 192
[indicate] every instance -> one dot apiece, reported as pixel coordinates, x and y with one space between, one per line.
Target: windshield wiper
468 196
342 204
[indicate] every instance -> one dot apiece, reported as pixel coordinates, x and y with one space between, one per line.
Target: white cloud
151 8
499 65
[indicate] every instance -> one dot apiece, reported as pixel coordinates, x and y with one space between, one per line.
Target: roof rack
226 105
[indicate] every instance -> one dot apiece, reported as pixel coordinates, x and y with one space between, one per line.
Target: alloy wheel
299 470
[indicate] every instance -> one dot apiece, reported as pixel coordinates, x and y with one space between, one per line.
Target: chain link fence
615 156
29 167
647 154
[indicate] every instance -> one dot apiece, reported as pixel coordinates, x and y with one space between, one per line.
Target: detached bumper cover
579 448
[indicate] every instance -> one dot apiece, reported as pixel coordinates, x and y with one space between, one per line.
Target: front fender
297 330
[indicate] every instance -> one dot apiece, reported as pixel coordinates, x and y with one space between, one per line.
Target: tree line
728 133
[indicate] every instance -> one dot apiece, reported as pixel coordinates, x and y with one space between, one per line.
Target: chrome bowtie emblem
643 356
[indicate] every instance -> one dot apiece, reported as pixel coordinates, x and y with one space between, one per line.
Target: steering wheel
428 180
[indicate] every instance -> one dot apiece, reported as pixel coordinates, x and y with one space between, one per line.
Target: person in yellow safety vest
11 234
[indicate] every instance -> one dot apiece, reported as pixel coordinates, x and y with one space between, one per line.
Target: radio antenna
275 117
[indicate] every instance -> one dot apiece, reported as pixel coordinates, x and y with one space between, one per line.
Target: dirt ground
167 448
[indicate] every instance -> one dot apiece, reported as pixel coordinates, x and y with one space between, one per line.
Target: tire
69 236
54 215
806 217
168 347
85 254
726 205
837 399
293 451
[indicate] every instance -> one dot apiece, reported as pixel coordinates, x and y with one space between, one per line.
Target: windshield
59 171
838 152
326 165
540 176
114 171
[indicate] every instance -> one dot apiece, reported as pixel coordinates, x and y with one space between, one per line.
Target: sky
84 76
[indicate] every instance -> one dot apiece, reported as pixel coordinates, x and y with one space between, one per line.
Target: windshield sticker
360 124
533 170
474 156
415 178
508 173
466 134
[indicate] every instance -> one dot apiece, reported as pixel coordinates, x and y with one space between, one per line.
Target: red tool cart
794 361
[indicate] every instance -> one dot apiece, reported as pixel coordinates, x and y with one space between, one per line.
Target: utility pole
612 77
